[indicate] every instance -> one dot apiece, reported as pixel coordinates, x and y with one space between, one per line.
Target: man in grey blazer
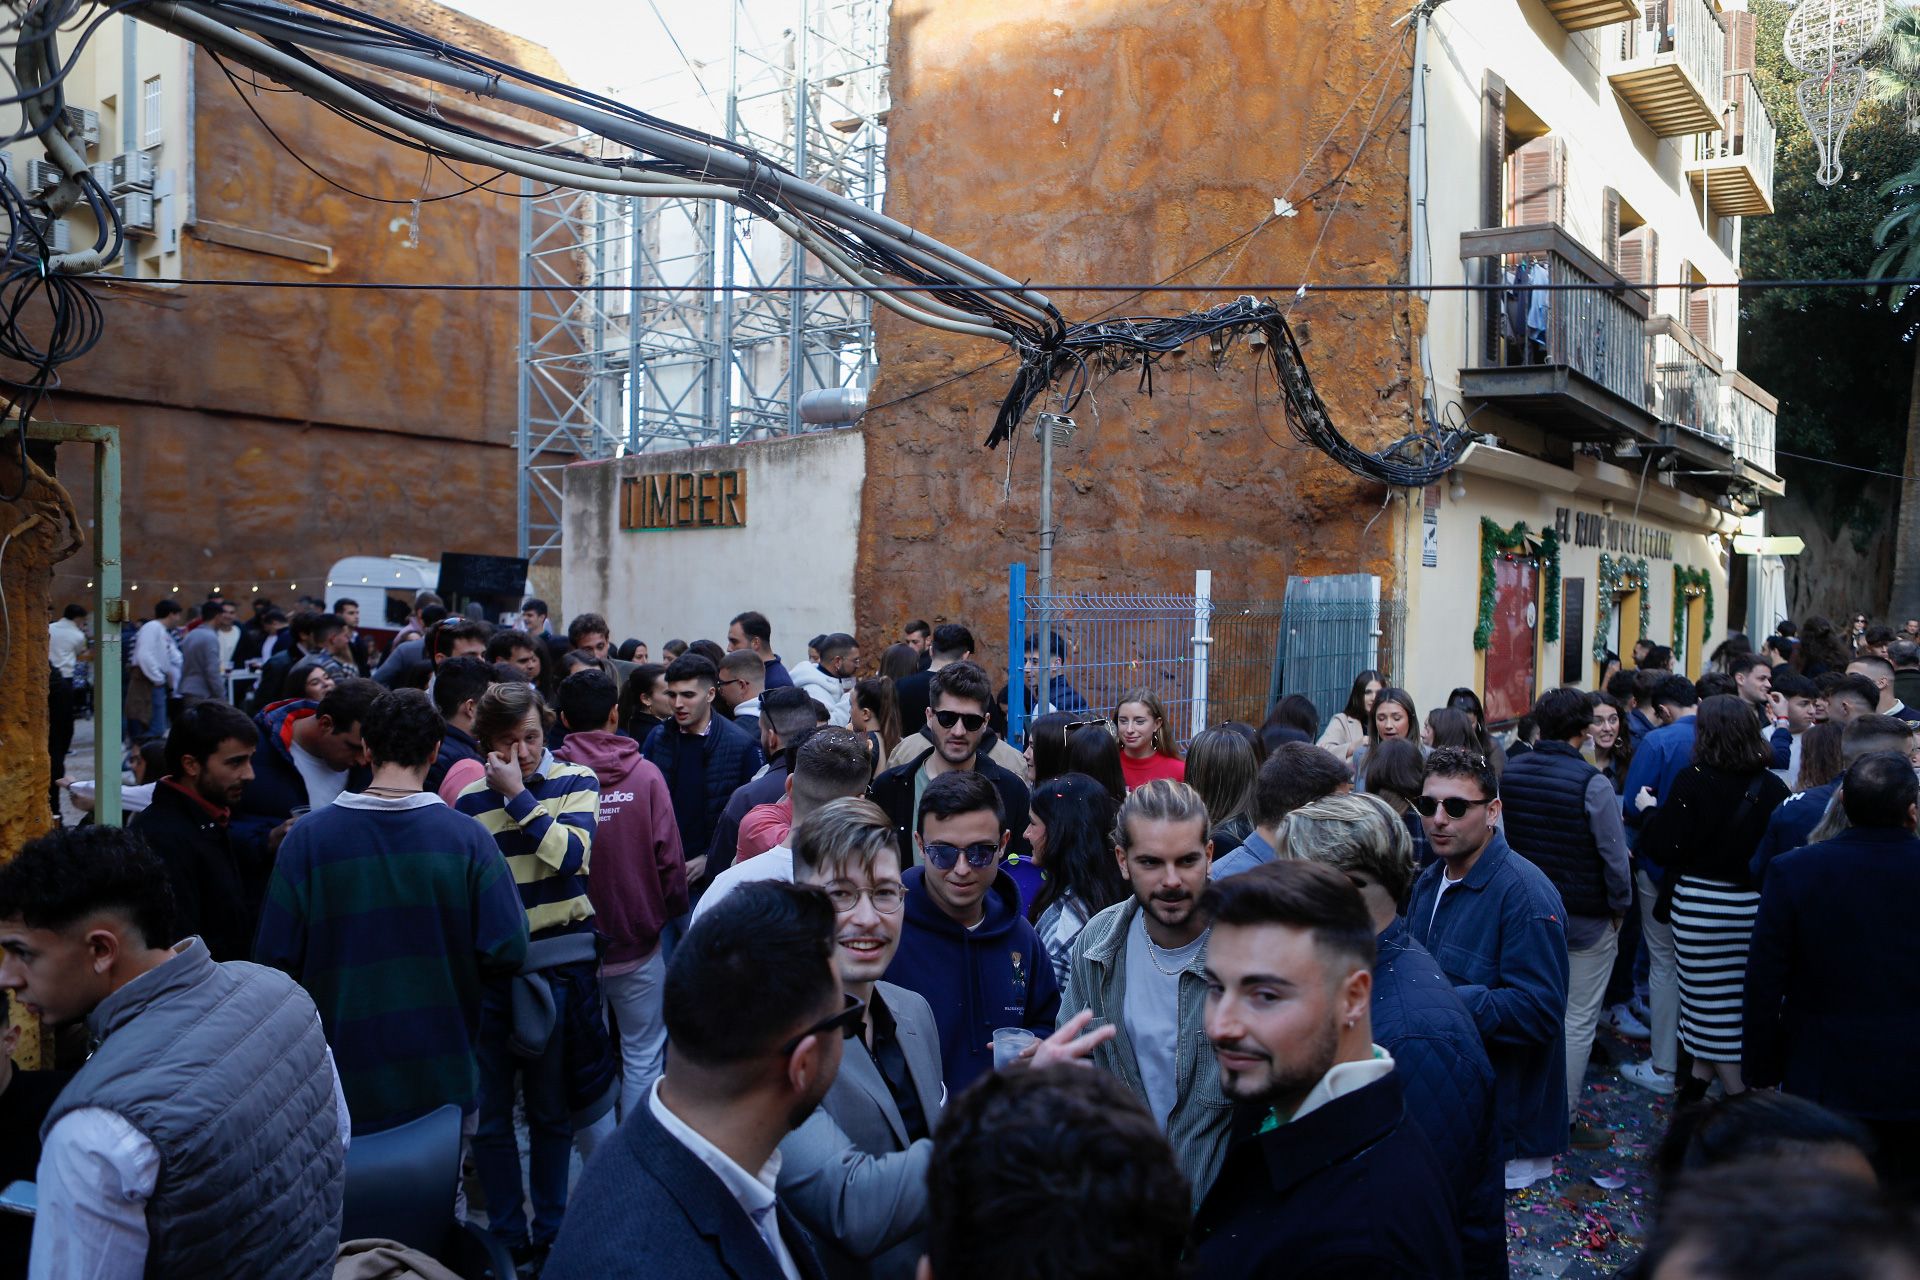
855 1173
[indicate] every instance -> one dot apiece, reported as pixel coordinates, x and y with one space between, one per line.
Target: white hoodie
831 692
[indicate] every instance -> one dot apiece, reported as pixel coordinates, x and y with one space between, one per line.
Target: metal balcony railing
1668 66
1597 333
1683 387
1735 162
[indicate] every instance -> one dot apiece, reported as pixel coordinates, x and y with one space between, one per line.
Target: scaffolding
670 324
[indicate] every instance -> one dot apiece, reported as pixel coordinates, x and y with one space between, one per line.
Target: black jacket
204 870
1705 828
1349 1191
1543 803
652 1208
893 792
455 745
911 692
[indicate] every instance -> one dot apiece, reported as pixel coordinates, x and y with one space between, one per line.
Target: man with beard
755 1024
1140 966
1335 1179
209 764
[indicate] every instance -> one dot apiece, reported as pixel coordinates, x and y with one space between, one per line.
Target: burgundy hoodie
637 879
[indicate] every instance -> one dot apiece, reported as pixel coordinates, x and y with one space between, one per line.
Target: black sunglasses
847 1017
1456 806
944 856
947 719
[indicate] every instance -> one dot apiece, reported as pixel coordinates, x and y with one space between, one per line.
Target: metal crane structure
650 324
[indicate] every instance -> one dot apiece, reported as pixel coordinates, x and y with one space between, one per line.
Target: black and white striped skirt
1712 929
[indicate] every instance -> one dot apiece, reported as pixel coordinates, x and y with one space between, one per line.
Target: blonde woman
1147 751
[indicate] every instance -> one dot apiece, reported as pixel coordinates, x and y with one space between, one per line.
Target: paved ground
1594 1213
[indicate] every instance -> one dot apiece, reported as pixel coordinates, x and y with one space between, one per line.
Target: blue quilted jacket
1448 1083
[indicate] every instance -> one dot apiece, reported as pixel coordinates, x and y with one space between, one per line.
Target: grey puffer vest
223 1067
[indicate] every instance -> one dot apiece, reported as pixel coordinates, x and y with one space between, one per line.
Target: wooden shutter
1610 227
1493 144
1699 307
1539 181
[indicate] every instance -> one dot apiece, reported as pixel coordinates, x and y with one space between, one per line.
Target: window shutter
1493 143
1700 315
1539 181
1610 227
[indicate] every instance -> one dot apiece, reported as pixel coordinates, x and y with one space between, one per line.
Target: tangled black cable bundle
1414 461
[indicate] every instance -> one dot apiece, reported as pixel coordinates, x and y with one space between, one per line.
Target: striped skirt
1712 929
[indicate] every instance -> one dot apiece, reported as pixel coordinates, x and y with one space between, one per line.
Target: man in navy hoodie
965 947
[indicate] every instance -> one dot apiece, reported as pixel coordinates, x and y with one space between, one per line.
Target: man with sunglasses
965 945
1495 924
956 720
743 678
756 1020
856 1172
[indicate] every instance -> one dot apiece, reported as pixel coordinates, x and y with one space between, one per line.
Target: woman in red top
1146 743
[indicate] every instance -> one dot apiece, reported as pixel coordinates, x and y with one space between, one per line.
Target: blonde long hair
1163 736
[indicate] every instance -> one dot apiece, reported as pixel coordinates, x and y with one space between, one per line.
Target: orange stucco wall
1116 142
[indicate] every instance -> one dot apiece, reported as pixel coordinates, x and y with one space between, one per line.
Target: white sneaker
1527 1170
1623 1021
1647 1076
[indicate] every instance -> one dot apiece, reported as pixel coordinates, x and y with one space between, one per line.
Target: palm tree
1898 239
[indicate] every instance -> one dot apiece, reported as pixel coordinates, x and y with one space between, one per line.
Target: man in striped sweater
551 1034
396 914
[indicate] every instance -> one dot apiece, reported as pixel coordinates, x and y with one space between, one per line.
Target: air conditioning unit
102 171
86 123
58 235
136 213
42 175
131 171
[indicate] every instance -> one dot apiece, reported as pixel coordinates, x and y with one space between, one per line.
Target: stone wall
1095 142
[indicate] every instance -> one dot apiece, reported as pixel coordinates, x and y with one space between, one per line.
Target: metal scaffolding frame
648 324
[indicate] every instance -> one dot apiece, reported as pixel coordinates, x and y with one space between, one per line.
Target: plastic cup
1009 1043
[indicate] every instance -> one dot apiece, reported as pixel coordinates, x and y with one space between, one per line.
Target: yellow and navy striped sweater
546 835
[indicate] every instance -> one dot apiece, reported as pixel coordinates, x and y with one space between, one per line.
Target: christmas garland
1495 541
1618 576
1688 583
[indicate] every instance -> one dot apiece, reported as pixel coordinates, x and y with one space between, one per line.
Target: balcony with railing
1597 364
1667 66
1749 412
1584 15
1734 163
1572 359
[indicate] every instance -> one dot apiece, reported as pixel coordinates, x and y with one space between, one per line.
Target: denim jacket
1097 980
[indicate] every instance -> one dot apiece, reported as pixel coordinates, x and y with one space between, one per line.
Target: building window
152 128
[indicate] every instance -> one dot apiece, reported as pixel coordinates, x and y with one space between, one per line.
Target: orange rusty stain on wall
1178 124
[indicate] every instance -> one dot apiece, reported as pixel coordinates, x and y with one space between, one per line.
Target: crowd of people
732 968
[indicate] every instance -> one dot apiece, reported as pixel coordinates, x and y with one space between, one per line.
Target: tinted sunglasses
947 719
1456 806
978 856
847 1017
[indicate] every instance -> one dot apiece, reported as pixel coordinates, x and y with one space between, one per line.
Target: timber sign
684 500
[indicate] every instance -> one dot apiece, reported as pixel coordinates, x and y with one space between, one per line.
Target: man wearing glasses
743 678
1495 924
855 1173
965 946
956 720
756 1021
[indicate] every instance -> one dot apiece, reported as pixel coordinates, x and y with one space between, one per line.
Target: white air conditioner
42 175
136 213
132 171
86 123
59 237
102 172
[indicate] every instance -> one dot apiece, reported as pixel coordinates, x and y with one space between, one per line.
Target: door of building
1511 652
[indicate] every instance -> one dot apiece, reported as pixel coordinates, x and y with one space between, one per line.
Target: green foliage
1688 583
1619 576
1839 359
1495 541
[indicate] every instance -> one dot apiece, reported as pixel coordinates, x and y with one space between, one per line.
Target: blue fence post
1016 653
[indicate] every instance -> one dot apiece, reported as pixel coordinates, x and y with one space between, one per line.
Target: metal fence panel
1336 627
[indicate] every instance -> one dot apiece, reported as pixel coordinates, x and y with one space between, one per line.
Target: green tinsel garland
1495 541
1688 583
1618 576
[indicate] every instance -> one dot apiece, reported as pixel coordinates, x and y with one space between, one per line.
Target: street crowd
721 967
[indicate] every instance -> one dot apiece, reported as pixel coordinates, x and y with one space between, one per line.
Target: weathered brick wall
1177 124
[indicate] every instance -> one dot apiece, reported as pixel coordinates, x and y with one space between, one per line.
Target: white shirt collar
755 1192
386 804
1345 1078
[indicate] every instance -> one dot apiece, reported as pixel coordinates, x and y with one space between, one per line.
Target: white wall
793 560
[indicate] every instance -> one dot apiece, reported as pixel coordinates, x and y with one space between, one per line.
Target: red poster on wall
1510 675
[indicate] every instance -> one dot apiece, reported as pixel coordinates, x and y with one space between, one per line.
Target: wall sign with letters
684 500
1622 537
